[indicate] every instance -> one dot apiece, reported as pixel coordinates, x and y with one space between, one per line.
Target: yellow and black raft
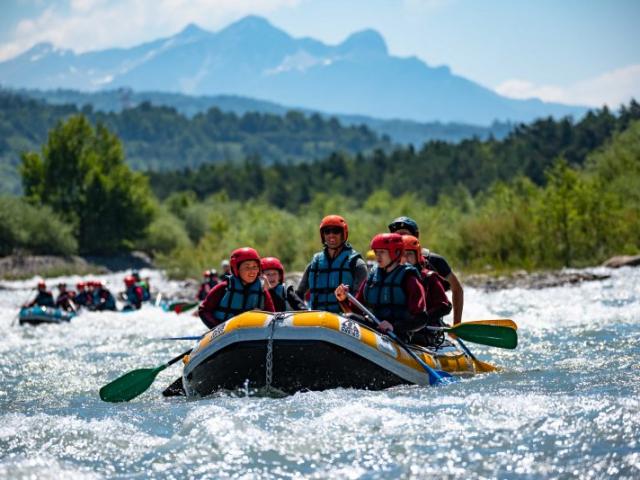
314 350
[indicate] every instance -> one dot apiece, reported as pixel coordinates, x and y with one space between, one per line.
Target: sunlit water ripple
566 406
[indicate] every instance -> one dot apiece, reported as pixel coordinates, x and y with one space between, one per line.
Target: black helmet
407 223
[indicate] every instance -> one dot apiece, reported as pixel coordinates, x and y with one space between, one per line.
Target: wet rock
622 261
537 280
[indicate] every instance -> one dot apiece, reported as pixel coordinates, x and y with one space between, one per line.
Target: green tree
82 176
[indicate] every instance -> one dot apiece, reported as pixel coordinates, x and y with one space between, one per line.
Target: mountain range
252 58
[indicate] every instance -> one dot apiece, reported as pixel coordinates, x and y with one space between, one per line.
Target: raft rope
276 319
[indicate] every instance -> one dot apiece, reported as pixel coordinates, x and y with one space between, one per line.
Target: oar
480 365
436 377
499 322
179 307
192 337
132 384
492 335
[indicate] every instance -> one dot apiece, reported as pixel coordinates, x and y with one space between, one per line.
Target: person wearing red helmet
209 280
338 263
82 297
437 303
435 262
284 297
103 299
44 298
393 291
65 298
134 293
241 292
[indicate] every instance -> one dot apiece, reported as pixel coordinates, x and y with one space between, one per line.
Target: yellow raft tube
311 350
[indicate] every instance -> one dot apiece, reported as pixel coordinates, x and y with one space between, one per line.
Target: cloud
611 88
96 24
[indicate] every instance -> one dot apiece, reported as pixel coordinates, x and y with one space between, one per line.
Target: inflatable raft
37 315
293 351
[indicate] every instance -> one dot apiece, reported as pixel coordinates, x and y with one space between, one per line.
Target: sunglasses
333 230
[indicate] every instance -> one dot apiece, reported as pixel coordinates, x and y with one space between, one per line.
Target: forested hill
158 138
468 167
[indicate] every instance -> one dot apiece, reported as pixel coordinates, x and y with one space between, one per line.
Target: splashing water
566 405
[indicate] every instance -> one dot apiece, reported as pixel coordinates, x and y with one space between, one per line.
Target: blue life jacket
239 298
44 299
325 274
109 299
82 298
384 294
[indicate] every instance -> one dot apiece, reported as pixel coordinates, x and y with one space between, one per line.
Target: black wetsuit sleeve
439 264
294 300
303 286
360 274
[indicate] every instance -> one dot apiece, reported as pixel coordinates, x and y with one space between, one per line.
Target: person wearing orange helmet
393 291
284 297
338 263
242 291
44 298
435 262
437 303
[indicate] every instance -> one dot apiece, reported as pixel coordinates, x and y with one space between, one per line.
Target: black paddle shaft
178 358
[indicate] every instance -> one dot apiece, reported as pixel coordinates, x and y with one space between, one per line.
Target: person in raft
435 262
133 292
284 297
436 301
337 264
103 299
209 280
82 297
243 290
65 298
44 298
392 292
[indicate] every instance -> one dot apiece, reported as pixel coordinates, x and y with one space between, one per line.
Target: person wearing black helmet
433 261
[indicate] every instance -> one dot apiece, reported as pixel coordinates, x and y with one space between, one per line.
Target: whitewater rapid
566 405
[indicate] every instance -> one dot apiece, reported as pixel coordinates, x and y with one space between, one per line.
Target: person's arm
303 286
360 274
457 297
294 300
208 306
345 304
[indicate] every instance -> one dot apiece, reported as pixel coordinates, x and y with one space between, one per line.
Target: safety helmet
412 244
129 281
206 273
371 255
224 263
407 223
213 272
135 274
272 263
80 285
99 284
335 221
242 255
41 285
389 241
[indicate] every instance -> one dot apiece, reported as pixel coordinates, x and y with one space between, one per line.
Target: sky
582 52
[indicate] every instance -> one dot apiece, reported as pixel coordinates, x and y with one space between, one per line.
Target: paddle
499 322
480 365
135 382
492 335
436 377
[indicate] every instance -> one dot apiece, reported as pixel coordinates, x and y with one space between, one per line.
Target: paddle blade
491 335
499 322
484 367
183 307
130 385
445 378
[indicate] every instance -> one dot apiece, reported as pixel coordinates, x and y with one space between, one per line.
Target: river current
566 405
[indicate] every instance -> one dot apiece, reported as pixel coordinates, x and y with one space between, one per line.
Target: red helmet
335 221
272 263
129 281
206 274
80 285
389 241
242 255
41 284
412 244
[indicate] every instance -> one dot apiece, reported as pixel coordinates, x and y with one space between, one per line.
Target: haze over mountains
252 58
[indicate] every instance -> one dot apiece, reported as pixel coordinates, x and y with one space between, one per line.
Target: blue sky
572 51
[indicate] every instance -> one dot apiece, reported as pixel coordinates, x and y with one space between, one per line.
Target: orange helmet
412 244
41 285
334 221
242 255
272 263
129 281
391 242
206 273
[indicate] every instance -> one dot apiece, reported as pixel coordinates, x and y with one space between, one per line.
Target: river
567 404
